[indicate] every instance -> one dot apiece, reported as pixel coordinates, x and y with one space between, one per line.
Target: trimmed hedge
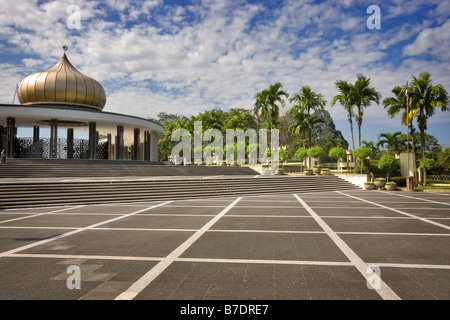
400 181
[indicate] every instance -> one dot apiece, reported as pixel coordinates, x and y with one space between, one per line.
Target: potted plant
316 169
279 172
325 171
369 185
380 182
391 185
308 172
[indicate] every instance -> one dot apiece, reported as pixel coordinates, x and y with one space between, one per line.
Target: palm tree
396 105
373 146
307 100
345 99
393 142
362 96
425 98
238 120
268 102
304 123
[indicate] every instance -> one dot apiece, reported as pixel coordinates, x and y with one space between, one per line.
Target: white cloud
185 59
433 41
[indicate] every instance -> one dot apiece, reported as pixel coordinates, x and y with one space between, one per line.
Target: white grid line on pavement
213 260
146 279
34 244
398 211
383 290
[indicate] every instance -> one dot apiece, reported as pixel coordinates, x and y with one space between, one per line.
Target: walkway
308 246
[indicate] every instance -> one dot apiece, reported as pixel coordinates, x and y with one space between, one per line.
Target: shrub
325 169
380 179
362 153
317 166
391 183
388 164
373 167
338 153
427 163
284 155
315 152
301 154
400 181
369 183
366 167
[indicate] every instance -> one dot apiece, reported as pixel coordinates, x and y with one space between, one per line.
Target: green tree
388 164
315 152
362 153
284 155
338 153
239 119
362 95
394 143
372 145
268 103
304 123
396 105
345 99
306 101
427 164
301 153
443 160
425 99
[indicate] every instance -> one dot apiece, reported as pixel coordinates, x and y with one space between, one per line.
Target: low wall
262 169
356 179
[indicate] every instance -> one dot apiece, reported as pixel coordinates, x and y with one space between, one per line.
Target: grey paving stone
267 223
400 248
60 221
121 243
265 246
270 211
408 225
159 222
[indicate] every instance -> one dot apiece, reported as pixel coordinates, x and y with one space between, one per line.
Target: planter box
316 170
391 187
308 173
369 187
380 184
326 172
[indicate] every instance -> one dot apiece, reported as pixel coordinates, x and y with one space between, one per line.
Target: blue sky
185 57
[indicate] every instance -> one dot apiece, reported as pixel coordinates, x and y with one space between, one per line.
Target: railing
438 176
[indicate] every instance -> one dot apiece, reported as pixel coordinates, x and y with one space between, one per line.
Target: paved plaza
353 244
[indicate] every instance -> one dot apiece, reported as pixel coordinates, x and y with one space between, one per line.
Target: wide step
21 195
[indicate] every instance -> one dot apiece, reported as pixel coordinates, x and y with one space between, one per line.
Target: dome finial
65 48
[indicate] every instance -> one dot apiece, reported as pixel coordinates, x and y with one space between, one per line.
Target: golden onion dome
62 84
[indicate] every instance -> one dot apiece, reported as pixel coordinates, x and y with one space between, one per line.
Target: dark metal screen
40 149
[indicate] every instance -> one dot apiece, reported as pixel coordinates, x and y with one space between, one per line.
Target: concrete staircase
56 193
51 168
